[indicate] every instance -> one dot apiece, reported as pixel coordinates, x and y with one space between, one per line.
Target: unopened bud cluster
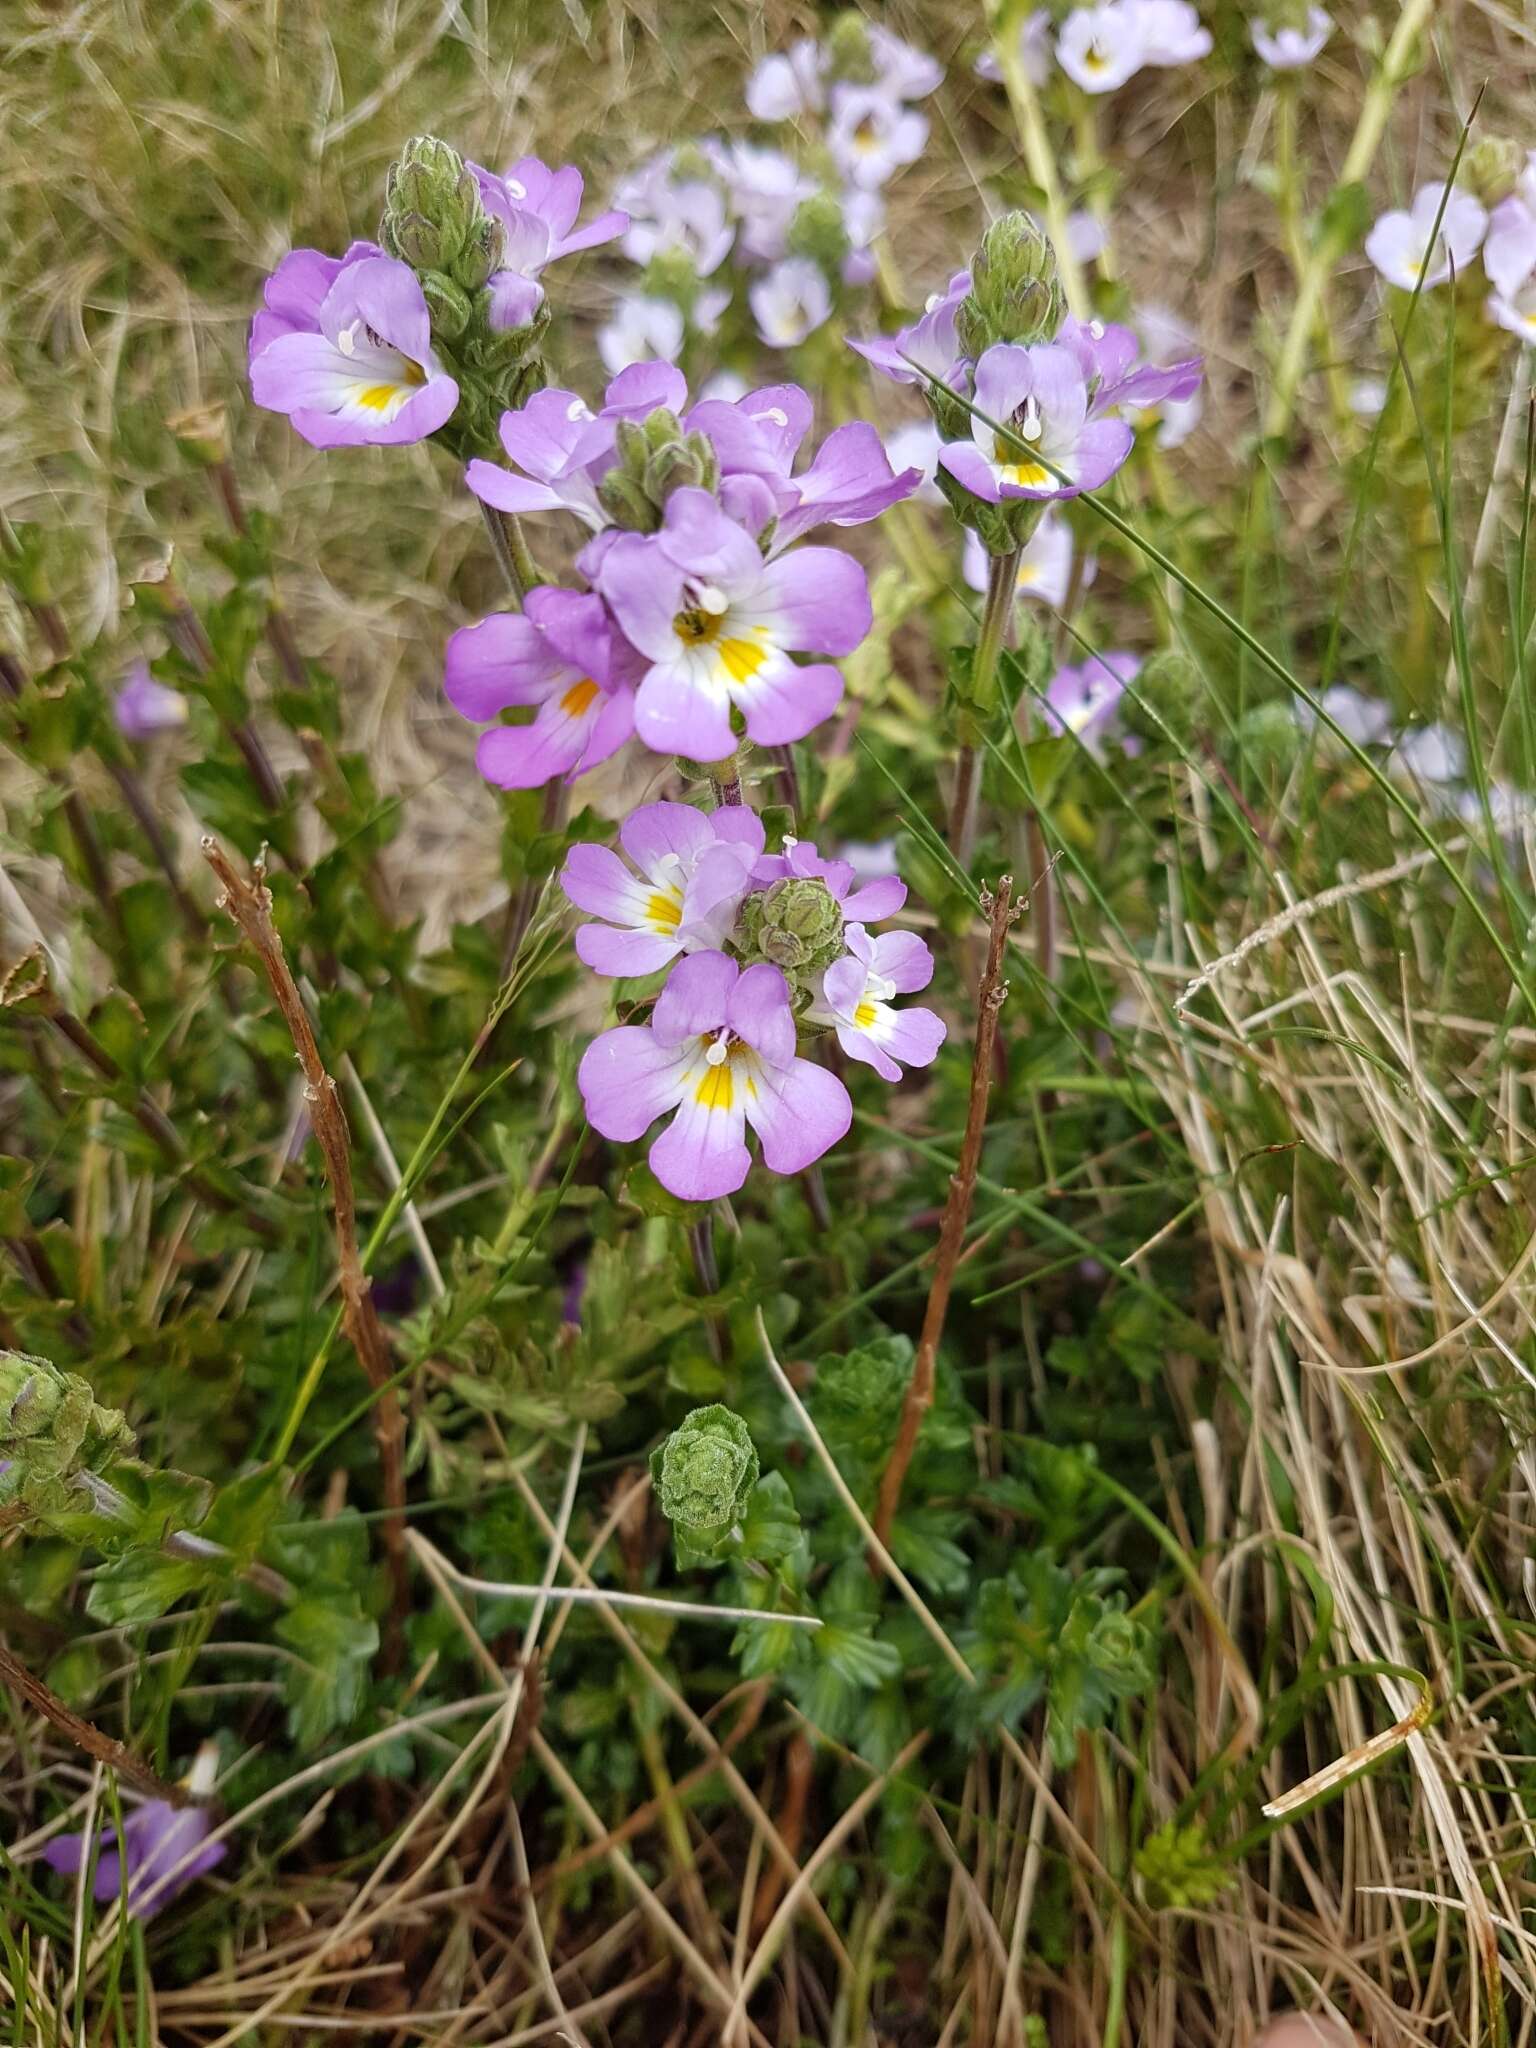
53 1431
655 458
797 924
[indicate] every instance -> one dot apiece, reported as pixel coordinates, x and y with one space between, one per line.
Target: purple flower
718 626
863 218
1034 41
870 135
1288 48
1100 48
785 85
561 654
537 208
695 867
293 295
686 215
564 448
1509 250
915 446
143 708
931 342
764 187
718 1054
1170 31
1110 360
365 370
1042 394
156 1836
855 1000
878 898
1402 245
1045 565
1084 698
901 70
791 302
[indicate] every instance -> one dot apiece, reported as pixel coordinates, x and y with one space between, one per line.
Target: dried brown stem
957 1211
106 1749
249 903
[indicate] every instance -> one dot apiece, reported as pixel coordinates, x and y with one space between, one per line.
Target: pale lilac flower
871 135
901 70
1034 39
1100 48
764 187
1087 235
564 449
155 1838
1365 720
1516 311
875 898
695 867
1042 395
1083 698
931 342
1431 753
855 1000
1402 245
293 295
643 329
718 626
1045 564
666 215
1289 48
537 208
1367 396
366 371
791 302
785 85
863 218
1509 251
144 708
561 654
717 1055
915 445
1170 31
1167 343
1109 357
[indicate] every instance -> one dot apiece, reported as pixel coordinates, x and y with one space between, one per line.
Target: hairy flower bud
433 218
626 503
51 1426
1269 738
655 458
202 431
450 306
1015 290
1491 167
818 231
1169 691
796 923
850 55
704 1474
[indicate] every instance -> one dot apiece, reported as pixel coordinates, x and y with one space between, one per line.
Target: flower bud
1169 690
51 1426
1269 737
626 503
704 1474
1491 167
817 231
1015 290
432 209
796 923
850 56
450 306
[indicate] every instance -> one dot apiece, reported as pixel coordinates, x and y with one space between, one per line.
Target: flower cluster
1029 402
1102 47
698 603
797 224
436 322
760 947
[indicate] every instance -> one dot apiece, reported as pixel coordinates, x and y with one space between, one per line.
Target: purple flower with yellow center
790 302
1288 46
144 708
366 371
1083 698
856 1001
1109 357
871 135
717 1056
719 626
930 345
670 215
561 654
1055 449
156 1839
1405 245
1101 48
694 868
880 896
1509 257
537 209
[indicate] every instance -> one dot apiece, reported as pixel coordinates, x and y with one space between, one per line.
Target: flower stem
701 1247
1331 240
1002 580
511 550
85 1735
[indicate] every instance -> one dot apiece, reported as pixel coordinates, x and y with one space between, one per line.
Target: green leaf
770 1528
144 1585
335 1643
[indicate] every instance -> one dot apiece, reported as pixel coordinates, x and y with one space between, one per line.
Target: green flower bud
672 468
817 231
450 307
690 166
656 458
432 209
850 57
796 923
1179 1869
483 254
1491 166
704 1474
1269 737
1015 290
626 503
51 1428
672 274
1170 692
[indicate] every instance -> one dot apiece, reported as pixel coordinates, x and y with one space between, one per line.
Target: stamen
720 1051
346 341
516 187
879 988
1030 423
775 414
712 599
1096 329
578 409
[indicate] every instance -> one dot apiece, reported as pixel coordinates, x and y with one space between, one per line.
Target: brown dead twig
106 1749
249 903
918 1399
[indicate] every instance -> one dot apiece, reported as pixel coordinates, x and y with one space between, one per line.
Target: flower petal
798 1112
696 998
627 1079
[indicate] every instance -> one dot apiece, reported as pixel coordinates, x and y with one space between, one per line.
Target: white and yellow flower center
578 700
727 1061
706 623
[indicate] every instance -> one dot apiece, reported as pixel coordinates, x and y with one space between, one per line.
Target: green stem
506 536
1002 582
1039 158
1332 239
